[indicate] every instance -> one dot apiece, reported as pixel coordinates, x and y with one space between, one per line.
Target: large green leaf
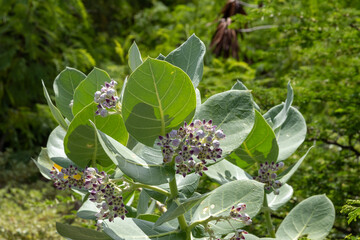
64 87
84 93
132 165
80 233
190 58
287 173
224 172
224 197
176 208
158 97
54 110
253 237
134 57
55 146
81 144
259 146
233 112
313 217
277 201
137 229
291 134
276 120
240 86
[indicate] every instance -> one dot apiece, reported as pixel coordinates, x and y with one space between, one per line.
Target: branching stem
267 214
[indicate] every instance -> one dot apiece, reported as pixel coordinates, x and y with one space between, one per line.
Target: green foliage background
314 44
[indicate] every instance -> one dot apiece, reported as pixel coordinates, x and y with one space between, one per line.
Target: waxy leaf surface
132 165
313 217
85 91
81 144
137 229
233 112
224 197
158 97
80 233
134 57
224 172
291 134
190 58
64 87
259 146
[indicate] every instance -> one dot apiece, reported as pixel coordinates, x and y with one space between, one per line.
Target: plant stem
181 219
154 188
173 188
93 160
267 214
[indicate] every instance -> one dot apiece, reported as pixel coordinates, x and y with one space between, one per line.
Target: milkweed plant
153 139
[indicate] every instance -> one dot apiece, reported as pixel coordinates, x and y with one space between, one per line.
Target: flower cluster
268 176
106 195
65 178
198 139
239 234
106 98
238 213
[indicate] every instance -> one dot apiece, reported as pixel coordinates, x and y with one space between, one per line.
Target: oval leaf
313 217
64 87
132 165
277 201
259 146
134 57
291 134
190 58
233 112
224 197
158 97
55 146
81 144
84 93
80 233
137 229
224 172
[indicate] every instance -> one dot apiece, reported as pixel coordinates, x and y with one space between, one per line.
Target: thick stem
156 189
182 222
267 214
173 188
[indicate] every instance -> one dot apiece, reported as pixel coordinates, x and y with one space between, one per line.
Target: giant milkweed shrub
158 137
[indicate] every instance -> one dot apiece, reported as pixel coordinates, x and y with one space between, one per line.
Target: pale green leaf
64 87
224 172
223 198
80 233
233 112
277 201
134 57
137 229
313 218
132 165
291 134
190 58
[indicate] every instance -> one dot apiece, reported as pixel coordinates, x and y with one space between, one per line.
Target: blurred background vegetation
314 44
